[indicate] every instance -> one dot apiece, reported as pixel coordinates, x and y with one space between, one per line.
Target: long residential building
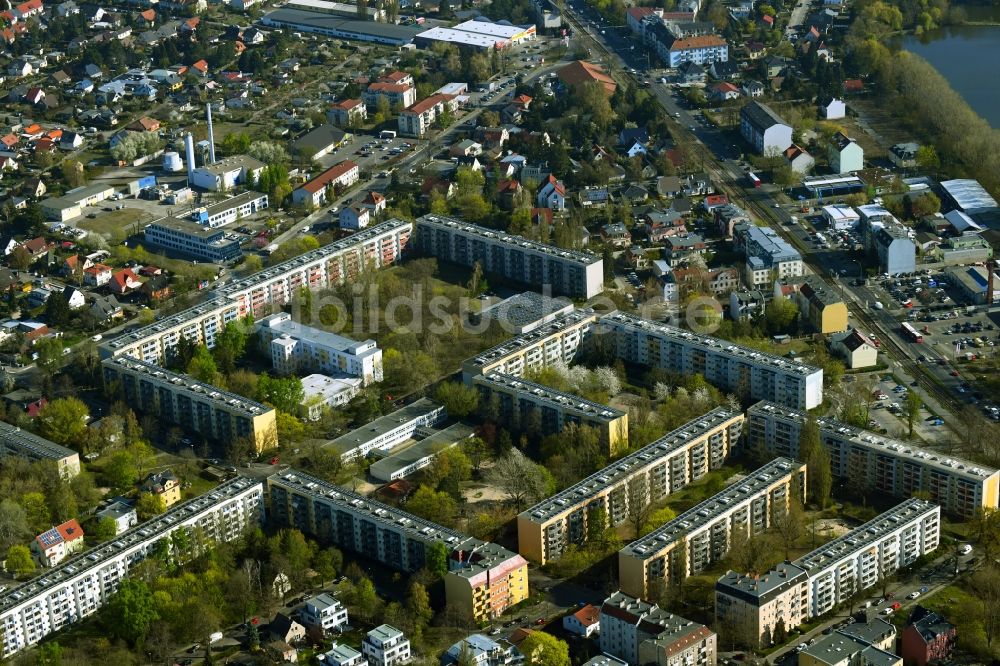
816 583
647 475
563 272
483 579
323 267
880 463
81 585
555 341
728 366
518 399
21 443
702 535
191 404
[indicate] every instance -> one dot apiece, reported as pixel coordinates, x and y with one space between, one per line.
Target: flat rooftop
384 424
523 310
566 402
879 443
279 323
526 340
763 588
865 536
708 344
15 439
461 37
704 513
213 306
189 385
621 469
340 26
437 442
233 202
492 235
192 229
95 558
317 489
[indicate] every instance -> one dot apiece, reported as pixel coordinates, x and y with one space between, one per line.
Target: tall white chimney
189 156
211 136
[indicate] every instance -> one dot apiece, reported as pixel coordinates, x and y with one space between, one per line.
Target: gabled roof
761 116
580 72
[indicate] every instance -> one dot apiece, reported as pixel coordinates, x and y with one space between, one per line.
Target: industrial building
483 579
227 174
293 347
558 340
20 443
193 240
702 535
339 27
519 401
477 35
387 431
563 272
879 463
656 470
241 206
191 404
816 583
729 367
638 632
968 196
81 585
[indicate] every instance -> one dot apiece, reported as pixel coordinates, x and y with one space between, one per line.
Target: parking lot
888 415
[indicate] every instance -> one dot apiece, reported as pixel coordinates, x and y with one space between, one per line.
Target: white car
913 595
965 549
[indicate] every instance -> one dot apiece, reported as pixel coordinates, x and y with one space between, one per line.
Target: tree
657 519
149 505
366 600
433 505
284 393
418 605
13 524
64 421
751 553
820 476
362 9
19 560
131 611
437 559
986 583
50 352
781 315
458 399
202 365
57 312
476 282
789 525
106 529
542 649
913 405
121 472
521 480
637 497
327 563
809 439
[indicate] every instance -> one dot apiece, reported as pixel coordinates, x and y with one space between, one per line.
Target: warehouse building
339 27
656 470
81 585
519 402
564 272
702 535
191 404
20 443
477 34
558 340
483 579
880 463
816 583
727 366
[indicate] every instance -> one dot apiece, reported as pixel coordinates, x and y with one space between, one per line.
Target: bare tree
639 508
520 479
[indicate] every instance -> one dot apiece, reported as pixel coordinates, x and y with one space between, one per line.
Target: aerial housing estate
136 359
23 444
483 579
794 592
874 461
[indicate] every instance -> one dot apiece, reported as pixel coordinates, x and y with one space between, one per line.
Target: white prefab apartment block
703 534
887 465
387 431
294 347
557 341
658 469
386 645
324 612
817 582
563 272
729 367
78 587
23 444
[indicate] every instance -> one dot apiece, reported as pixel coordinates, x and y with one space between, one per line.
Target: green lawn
112 222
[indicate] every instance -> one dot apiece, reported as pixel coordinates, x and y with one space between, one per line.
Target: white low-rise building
125 516
294 346
226 174
320 392
324 612
386 645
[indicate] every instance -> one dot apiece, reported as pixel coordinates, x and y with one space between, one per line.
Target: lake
968 57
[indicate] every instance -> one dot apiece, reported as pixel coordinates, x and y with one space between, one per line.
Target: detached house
96 275
507 190
928 638
616 234
165 484
124 281
55 545
552 194
844 154
798 159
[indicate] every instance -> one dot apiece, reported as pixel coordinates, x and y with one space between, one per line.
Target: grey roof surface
762 116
